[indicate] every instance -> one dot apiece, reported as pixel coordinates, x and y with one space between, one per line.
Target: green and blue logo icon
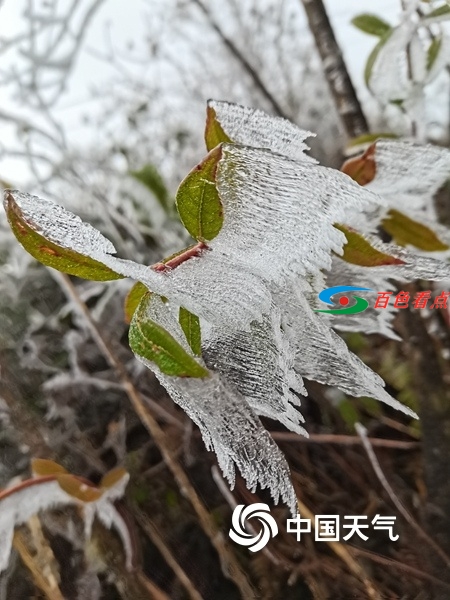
360 303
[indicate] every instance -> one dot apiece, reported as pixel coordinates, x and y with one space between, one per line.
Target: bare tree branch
338 78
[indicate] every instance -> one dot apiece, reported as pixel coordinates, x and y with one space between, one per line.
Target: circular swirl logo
254 541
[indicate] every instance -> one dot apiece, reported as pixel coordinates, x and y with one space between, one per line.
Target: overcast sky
125 22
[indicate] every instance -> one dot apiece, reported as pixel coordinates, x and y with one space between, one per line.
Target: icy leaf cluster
254 286
20 503
408 56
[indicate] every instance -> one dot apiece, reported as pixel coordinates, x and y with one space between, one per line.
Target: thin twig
345 555
230 566
344 440
151 530
362 432
382 560
242 59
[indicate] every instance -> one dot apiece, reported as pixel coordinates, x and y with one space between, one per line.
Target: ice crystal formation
253 286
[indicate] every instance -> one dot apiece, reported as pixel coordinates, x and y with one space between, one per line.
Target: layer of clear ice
256 285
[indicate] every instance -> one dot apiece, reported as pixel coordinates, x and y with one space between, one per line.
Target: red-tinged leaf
214 134
359 251
50 254
42 467
361 169
78 489
198 201
408 232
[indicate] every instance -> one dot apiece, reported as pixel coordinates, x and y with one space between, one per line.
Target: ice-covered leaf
440 11
57 238
433 51
230 428
380 278
227 423
133 299
260 364
152 180
359 251
371 24
409 174
388 76
254 128
214 134
190 324
151 341
373 56
198 201
262 192
19 503
408 232
371 320
321 355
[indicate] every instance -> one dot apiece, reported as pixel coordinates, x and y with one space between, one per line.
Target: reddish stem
174 262
37 481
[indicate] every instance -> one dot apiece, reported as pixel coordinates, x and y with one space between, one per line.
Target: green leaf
348 412
51 254
440 11
152 180
214 134
374 55
133 299
369 138
405 231
198 201
371 24
433 52
190 324
151 341
358 251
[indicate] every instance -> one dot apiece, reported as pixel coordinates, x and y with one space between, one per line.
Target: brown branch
180 258
389 562
362 432
345 440
241 58
345 554
337 76
230 566
151 530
